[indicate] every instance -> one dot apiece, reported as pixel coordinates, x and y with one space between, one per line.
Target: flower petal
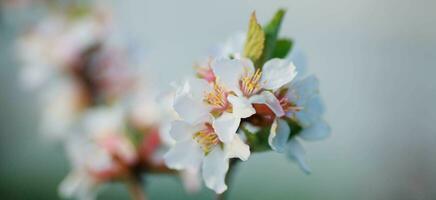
225 126
241 106
78 185
299 59
190 110
276 73
270 100
191 180
197 87
184 155
295 152
215 166
228 72
279 135
181 130
318 131
238 149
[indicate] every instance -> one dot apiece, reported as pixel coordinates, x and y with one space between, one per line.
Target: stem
229 179
135 189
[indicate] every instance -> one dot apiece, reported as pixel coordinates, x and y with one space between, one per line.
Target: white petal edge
225 126
191 180
318 131
241 106
295 152
238 149
270 100
198 87
279 135
276 73
184 155
190 110
181 130
215 167
228 72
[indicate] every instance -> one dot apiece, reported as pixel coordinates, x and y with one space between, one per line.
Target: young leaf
255 40
282 48
271 33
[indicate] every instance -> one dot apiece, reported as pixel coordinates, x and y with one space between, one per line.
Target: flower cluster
250 95
247 97
96 101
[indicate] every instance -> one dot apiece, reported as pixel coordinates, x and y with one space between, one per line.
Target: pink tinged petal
241 106
317 131
184 155
181 130
228 72
190 110
215 167
279 135
238 149
295 152
225 126
270 100
276 73
191 180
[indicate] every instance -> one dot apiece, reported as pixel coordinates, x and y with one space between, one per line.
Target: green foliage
258 141
282 48
295 128
271 33
254 44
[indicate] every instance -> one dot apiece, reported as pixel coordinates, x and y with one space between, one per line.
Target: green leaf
255 40
258 141
271 33
282 48
296 128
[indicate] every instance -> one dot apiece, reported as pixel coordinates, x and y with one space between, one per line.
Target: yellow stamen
206 138
251 84
217 97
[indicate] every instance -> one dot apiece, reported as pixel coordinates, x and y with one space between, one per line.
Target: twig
135 189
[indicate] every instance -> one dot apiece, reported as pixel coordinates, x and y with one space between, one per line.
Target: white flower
246 86
105 125
61 107
304 97
87 160
53 44
197 141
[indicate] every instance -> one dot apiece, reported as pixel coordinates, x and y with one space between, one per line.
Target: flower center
206 138
286 104
217 98
250 84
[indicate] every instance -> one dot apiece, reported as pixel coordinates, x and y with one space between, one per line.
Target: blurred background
376 61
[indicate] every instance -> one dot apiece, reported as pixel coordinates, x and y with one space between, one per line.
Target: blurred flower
198 144
53 44
105 125
62 104
91 166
